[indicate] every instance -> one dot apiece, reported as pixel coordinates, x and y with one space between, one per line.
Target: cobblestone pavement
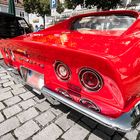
25 116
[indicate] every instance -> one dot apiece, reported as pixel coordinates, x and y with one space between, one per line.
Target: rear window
111 22
8 27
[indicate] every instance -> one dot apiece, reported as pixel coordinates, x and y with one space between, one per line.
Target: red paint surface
115 55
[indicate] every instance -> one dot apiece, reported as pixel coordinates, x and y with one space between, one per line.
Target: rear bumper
124 123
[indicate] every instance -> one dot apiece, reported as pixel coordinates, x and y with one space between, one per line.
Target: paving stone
117 137
43 106
27 115
8 125
124 139
8 112
62 108
77 132
5 77
101 134
3 74
132 135
16 81
2 70
2 90
138 127
26 130
1 118
56 111
45 118
5 95
92 124
12 101
39 100
6 84
51 132
2 106
93 137
68 122
27 95
7 137
1 67
27 104
106 130
3 81
16 86
18 91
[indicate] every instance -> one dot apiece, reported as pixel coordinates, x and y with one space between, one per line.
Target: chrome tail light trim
57 64
126 122
96 74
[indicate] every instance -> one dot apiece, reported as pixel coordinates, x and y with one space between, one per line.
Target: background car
11 26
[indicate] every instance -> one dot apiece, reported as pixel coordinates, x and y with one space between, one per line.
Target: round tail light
62 71
90 79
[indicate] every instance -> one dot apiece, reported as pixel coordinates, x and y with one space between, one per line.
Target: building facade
18 6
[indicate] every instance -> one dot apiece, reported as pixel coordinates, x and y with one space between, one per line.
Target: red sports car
90 62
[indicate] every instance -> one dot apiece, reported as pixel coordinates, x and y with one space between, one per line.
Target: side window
24 27
22 23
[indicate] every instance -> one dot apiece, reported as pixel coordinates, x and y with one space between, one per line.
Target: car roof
9 15
102 13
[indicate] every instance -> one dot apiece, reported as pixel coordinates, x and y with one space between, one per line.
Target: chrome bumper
124 123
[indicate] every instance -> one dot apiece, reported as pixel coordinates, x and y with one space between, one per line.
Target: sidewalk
24 116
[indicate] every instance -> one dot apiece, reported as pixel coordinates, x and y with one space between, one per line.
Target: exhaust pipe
89 104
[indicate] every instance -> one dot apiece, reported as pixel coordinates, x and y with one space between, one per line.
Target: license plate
33 78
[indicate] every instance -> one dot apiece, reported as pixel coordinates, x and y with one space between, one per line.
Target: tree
105 4
71 4
101 4
40 7
60 7
135 1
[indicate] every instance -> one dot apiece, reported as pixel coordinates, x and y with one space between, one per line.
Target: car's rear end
83 69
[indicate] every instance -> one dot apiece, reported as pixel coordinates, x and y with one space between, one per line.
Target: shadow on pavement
94 128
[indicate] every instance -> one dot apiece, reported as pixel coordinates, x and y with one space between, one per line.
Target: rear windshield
111 22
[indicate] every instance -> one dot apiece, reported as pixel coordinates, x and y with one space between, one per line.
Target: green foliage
101 4
105 4
60 7
40 7
69 4
30 6
135 1
43 8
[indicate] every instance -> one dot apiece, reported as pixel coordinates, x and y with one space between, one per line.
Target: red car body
111 58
